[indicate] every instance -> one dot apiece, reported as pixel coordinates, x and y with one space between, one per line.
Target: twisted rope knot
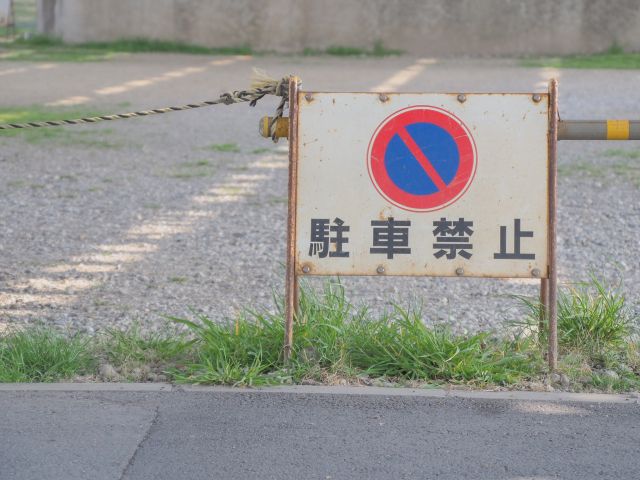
279 88
282 88
227 98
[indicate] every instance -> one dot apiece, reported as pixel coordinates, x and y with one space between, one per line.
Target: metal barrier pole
599 130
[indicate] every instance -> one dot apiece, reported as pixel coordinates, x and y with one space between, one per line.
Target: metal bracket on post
282 127
291 287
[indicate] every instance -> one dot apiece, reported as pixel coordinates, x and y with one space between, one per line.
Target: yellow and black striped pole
599 130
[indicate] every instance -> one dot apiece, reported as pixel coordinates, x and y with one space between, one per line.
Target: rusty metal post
291 287
544 305
552 282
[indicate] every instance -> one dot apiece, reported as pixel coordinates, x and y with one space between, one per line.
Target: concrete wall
423 27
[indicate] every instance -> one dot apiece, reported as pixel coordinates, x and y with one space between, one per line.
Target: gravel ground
104 225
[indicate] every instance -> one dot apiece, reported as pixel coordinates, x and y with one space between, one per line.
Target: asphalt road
392 434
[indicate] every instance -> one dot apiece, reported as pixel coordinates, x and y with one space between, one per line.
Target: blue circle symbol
435 144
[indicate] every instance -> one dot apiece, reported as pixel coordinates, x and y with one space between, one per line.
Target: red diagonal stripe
422 159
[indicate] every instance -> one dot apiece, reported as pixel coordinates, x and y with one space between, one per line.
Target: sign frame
548 282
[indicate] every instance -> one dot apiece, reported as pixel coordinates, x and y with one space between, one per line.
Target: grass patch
50 49
335 342
626 169
70 136
138 356
179 280
378 50
198 163
619 152
223 147
40 48
596 332
188 175
43 355
196 169
613 58
38 113
332 339
591 318
260 151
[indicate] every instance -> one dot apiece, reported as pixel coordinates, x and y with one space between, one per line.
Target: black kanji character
320 237
390 237
452 238
517 235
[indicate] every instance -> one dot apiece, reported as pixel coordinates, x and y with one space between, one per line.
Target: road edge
328 390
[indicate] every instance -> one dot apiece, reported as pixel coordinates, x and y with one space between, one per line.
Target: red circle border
431 202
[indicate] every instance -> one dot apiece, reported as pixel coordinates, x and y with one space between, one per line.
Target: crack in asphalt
144 439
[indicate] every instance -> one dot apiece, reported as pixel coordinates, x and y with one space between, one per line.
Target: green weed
65 136
378 50
613 58
223 147
135 354
404 347
626 170
332 338
43 355
197 169
243 352
42 48
189 175
37 113
592 319
198 163
260 151
178 280
278 200
619 152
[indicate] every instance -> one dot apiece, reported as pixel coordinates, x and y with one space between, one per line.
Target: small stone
310 381
625 368
560 378
383 383
610 374
537 387
161 378
109 373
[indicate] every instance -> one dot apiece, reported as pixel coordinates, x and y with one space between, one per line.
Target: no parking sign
422 184
422 158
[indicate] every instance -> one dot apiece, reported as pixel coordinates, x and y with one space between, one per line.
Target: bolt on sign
422 184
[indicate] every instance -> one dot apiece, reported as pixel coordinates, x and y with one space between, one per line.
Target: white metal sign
422 184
